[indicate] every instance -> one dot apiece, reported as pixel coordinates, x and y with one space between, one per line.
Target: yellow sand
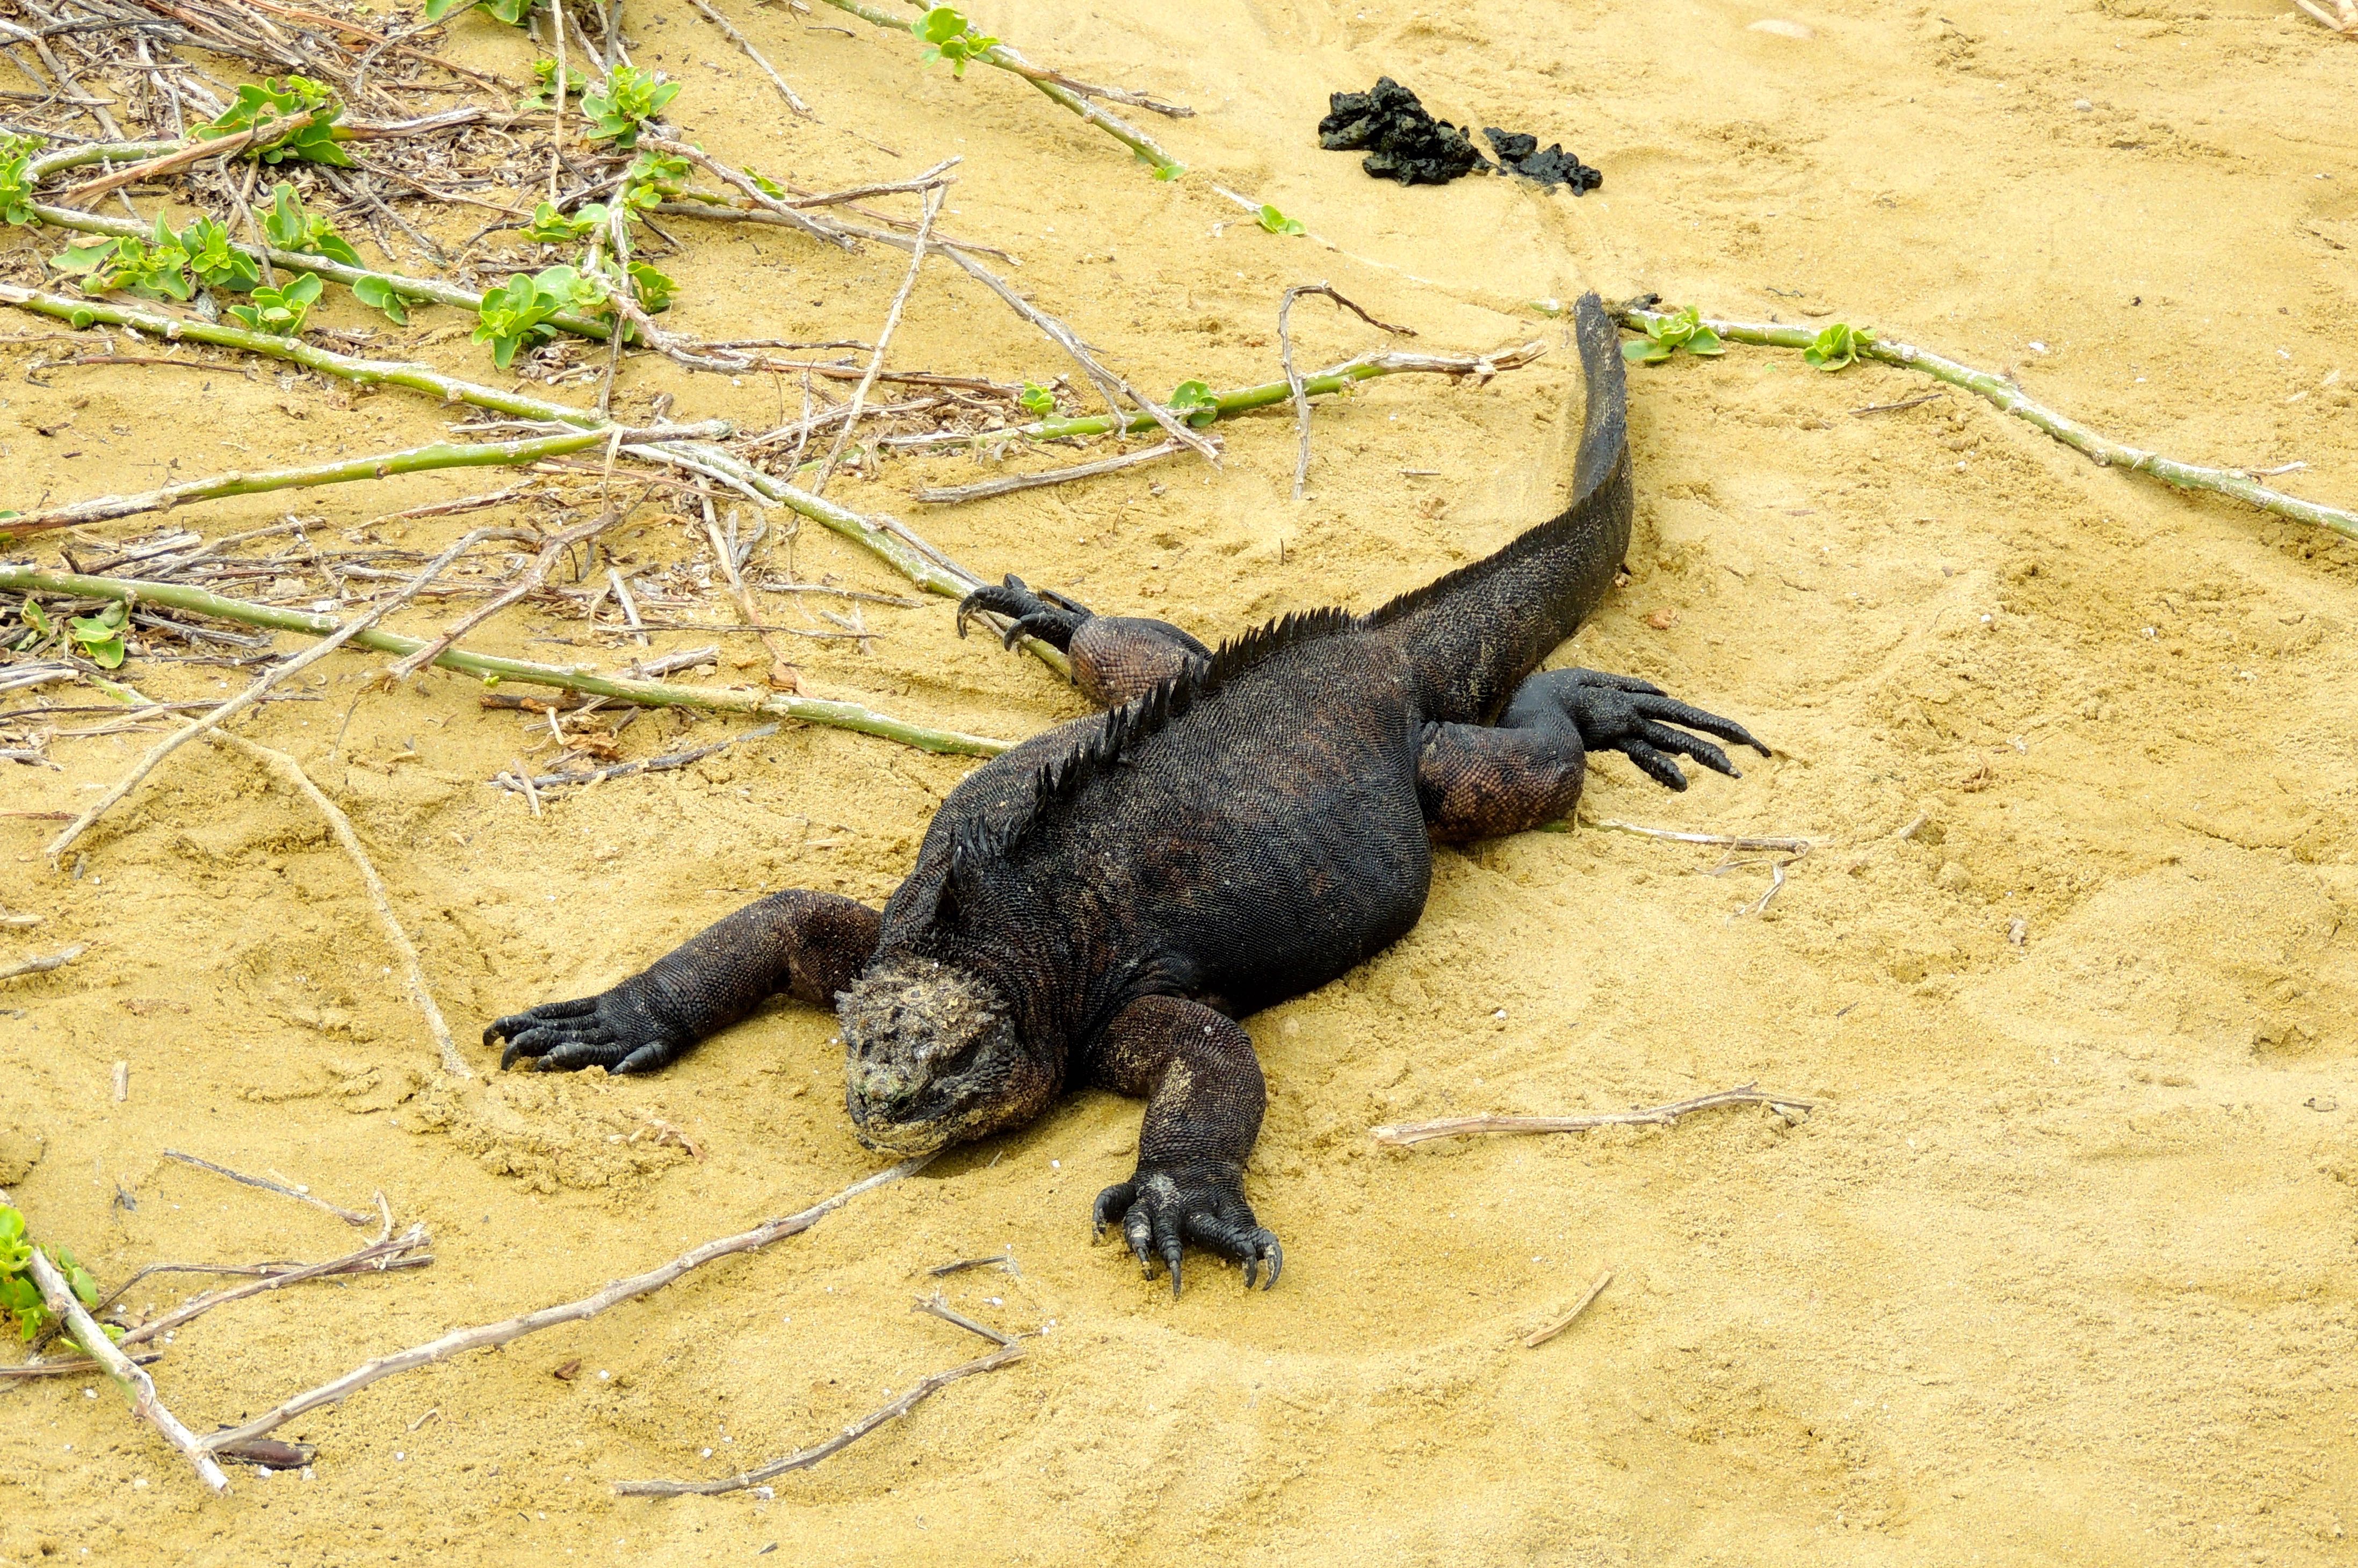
2060 1270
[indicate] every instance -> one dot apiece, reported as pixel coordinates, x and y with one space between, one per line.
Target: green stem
1166 167
424 289
413 459
649 694
1244 399
2009 399
366 373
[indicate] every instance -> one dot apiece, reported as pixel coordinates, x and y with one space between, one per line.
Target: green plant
157 270
298 98
16 191
98 637
621 107
1193 401
291 228
217 262
511 12
1037 400
949 36
19 1296
1839 345
1667 333
658 176
653 288
377 294
544 92
1276 223
515 315
280 312
551 227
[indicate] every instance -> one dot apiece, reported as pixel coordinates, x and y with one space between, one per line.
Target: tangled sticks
1404 142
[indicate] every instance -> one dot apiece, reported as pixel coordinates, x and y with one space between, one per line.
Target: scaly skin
1102 903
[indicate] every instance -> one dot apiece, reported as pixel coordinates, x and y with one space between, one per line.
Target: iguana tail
1470 638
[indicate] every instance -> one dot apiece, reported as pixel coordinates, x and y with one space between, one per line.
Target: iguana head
932 1058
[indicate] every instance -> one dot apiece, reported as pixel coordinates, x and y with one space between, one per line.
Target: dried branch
532 577
590 1306
883 338
1293 380
1405 1133
1539 1336
952 495
350 1216
794 99
135 1384
515 781
1110 386
1008 1351
39 966
412 969
376 1257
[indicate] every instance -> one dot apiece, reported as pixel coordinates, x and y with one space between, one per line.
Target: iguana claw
1624 714
1049 616
1161 1210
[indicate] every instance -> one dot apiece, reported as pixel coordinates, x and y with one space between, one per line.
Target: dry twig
1539 1336
1294 379
876 359
1404 1134
350 1216
340 825
1007 484
39 966
1008 1350
501 1333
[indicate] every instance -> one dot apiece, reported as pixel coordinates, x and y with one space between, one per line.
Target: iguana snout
932 1057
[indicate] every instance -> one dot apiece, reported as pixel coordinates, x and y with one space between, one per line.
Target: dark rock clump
1553 167
1404 142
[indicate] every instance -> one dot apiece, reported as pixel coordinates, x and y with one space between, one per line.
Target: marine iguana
1103 903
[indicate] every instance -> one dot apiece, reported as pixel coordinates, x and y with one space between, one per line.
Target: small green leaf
377 294
1037 400
1194 403
1644 351
1276 223
1838 345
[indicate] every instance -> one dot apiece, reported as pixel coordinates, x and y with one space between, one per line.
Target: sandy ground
2061 1268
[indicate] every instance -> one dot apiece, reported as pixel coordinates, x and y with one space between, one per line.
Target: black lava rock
1403 142
1522 154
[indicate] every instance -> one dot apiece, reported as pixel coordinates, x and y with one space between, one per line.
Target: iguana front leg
1115 657
1203 1101
1479 783
808 945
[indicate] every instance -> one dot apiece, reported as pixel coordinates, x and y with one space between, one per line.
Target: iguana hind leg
1115 657
807 944
1479 783
1203 1101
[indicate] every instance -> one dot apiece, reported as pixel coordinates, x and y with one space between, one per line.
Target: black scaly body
1100 904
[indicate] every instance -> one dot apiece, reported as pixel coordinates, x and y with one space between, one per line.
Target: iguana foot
614 1030
1049 616
1202 1200
1624 714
